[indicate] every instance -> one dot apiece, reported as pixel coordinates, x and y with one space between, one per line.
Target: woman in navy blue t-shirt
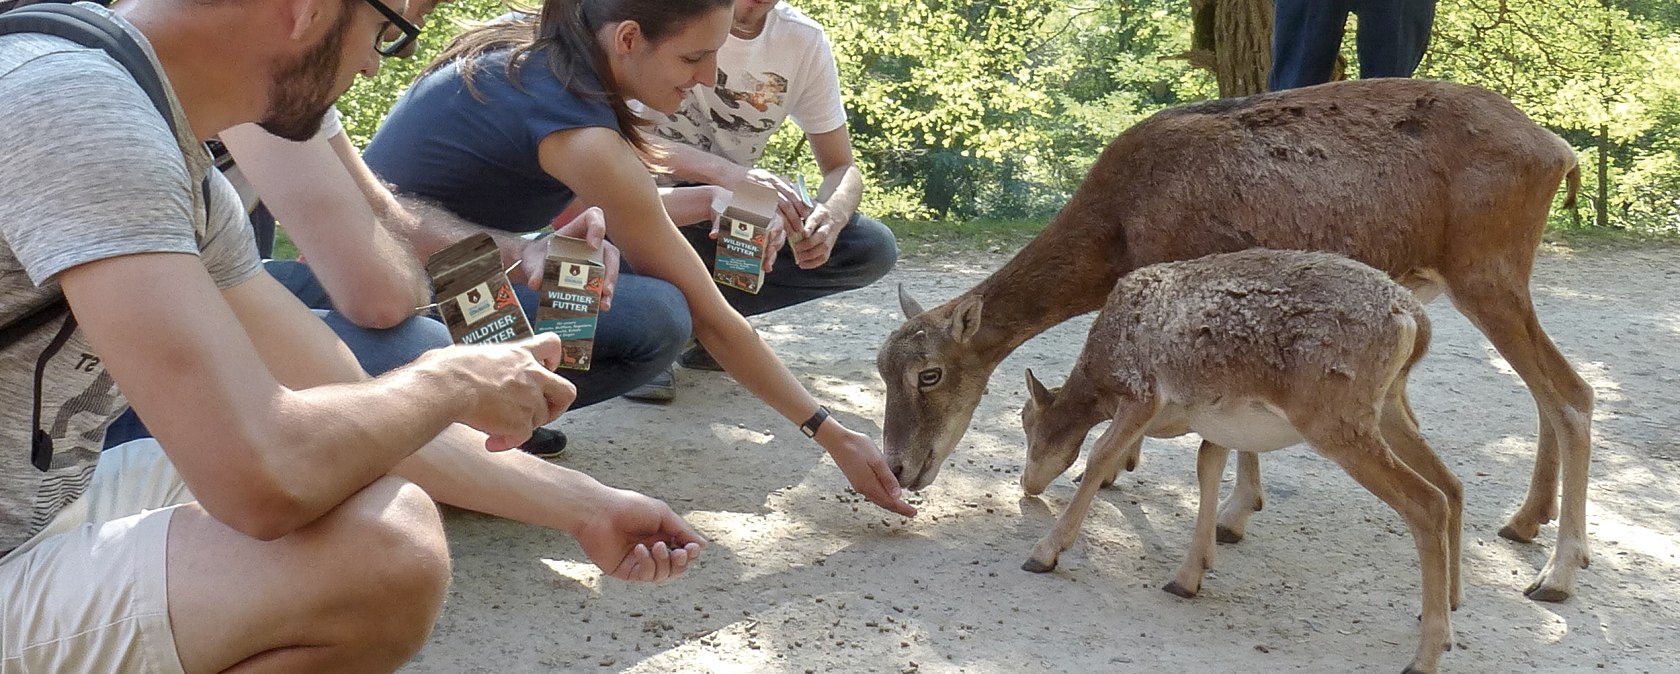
520 117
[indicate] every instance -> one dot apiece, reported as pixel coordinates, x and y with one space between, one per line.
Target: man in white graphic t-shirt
777 64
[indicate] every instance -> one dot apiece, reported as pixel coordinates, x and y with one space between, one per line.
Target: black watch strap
809 428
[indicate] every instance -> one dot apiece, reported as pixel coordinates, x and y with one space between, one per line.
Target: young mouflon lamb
1255 351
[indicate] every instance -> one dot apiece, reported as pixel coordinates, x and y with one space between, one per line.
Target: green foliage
365 105
993 110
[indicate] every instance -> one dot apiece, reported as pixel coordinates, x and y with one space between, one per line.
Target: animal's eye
929 377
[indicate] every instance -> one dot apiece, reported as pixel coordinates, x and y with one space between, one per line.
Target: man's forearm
688 164
455 469
427 228
842 190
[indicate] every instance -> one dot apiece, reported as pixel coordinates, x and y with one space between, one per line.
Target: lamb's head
1053 439
934 381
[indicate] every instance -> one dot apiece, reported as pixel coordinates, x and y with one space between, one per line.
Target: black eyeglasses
405 33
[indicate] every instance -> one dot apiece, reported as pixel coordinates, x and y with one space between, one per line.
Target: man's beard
302 91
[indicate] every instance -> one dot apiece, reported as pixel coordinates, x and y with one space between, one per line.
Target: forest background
976 120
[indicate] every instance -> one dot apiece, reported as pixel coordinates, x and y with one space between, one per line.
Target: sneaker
696 358
661 389
545 443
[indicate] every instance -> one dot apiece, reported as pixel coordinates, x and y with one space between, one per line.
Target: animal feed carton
473 294
571 298
743 233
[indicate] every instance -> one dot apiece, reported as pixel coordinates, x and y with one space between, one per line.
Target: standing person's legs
864 252
1393 35
635 341
126 580
1306 36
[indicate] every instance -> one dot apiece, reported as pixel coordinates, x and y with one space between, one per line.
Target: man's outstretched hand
638 538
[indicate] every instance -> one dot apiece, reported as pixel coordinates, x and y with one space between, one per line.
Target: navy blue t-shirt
478 158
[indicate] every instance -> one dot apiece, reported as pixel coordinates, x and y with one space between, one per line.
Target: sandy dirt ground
803 577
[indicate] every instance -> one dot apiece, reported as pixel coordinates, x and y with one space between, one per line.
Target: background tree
969 111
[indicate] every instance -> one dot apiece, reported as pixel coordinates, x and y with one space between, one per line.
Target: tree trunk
1243 47
1601 209
1233 38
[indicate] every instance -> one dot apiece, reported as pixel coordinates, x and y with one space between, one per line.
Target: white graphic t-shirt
787 70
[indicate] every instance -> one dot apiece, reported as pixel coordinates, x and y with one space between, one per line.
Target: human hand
775 237
822 228
591 226
860 460
776 233
511 387
637 538
792 208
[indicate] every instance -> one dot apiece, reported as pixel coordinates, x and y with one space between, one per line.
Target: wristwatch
809 428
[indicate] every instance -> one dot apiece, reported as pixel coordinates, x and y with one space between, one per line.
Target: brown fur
1443 187
1260 349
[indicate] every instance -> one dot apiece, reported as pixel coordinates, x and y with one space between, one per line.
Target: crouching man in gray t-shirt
278 521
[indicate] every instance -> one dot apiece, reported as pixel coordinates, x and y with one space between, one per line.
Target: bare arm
454 468
692 165
615 180
842 184
837 198
698 166
312 187
263 457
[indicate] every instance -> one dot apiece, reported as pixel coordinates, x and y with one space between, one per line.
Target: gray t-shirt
90 172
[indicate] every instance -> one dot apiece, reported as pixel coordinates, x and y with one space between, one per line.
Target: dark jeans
635 340
865 251
1307 35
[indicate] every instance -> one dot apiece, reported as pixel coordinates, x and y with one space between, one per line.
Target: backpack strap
91 29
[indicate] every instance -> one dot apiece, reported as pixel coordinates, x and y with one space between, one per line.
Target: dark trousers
636 340
1307 35
865 251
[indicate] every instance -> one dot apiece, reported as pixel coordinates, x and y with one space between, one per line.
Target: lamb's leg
1105 459
1400 430
1247 498
1364 455
1210 467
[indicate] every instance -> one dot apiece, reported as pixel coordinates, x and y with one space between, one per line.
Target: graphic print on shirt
761 94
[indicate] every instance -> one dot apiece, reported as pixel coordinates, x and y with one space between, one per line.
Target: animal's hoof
1131 464
1414 669
1546 594
1174 588
1106 484
1036 566
1227 535
1510 533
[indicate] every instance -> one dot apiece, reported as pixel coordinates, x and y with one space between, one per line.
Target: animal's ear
965 319
908 304
1041 396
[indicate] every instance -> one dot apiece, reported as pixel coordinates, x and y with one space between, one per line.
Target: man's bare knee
396 535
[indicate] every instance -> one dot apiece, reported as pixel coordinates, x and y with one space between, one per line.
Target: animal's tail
1412 334
1574 178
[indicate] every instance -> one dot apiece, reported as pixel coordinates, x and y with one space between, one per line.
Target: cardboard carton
473 294
743 233
570 301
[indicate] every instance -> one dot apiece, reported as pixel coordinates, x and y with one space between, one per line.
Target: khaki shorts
90 592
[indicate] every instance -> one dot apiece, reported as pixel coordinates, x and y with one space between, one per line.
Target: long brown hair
568 29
